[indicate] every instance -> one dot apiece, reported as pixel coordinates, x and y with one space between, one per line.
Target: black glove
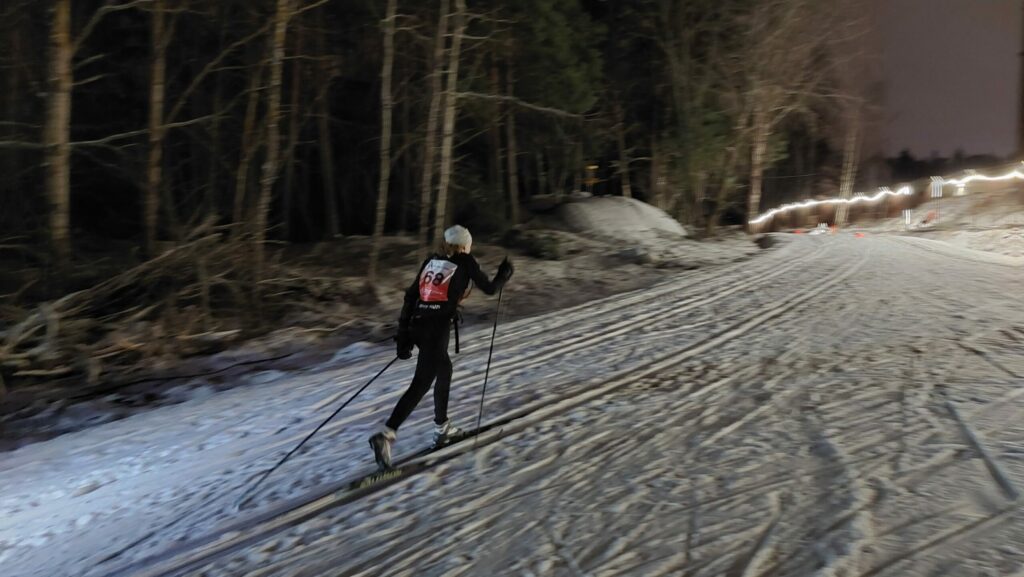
403 340
505 270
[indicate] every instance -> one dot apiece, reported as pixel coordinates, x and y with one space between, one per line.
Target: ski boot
444 433
381 444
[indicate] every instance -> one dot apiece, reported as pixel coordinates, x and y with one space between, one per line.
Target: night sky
951 72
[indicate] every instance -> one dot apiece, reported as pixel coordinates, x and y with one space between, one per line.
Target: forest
166 158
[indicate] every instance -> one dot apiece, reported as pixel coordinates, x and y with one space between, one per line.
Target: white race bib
435 279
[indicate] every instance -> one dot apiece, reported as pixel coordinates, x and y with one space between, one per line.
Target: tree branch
308 8
209 68
518 102
109 139
88 61
90 80
99 14
21 144
141 132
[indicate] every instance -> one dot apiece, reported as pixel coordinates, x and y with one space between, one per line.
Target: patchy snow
787 415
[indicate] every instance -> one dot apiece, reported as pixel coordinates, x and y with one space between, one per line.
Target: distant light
859 197
1012 175
937 185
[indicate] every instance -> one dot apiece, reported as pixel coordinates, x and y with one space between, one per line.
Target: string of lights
959 183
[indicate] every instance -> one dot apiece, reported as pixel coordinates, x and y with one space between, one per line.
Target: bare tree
385 138
159 39
327 164
293 137
249 143
327 71
430 140
851 159
512 152
448 125
16 74
730 162
217 101
271 162
781 46
853 64
620 140
57 131
496 172
57 127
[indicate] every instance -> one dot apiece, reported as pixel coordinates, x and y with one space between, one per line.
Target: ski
410 464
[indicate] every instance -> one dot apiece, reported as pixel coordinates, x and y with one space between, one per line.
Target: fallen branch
190 299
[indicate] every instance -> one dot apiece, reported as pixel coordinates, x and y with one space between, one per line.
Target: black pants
431 338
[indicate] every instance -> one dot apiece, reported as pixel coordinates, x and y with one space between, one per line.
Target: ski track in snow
835 406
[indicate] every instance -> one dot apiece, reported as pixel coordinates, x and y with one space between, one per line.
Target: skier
428 313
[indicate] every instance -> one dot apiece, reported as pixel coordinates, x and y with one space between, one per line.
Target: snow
989 220
625 219
353 352
785 414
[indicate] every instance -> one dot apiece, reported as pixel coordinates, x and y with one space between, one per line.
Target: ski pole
487 371
244 498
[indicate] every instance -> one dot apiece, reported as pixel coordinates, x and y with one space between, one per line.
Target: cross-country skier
430 308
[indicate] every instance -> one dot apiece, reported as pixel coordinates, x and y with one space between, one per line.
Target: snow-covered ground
990 219
835 406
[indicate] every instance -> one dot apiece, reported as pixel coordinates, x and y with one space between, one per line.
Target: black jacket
442 282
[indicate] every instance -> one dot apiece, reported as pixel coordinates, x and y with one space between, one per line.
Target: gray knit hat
458 236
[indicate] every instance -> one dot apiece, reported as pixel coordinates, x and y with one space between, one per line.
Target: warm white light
859 197
937 184
1012 175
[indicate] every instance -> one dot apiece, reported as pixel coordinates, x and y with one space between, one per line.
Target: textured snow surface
835 406
618 217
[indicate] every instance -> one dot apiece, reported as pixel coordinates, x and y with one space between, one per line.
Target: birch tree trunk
385 138
57 131
496 172
13 104
293 138
577 167
851 154
542 177
408 156
512 151
250 141
757 160
213 197
271 162
154 162
327 149
430 139
700 188
327 167
721 198
448 127
657 186
627 189
812 164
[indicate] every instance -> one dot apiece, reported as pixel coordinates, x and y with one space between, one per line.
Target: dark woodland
166 161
